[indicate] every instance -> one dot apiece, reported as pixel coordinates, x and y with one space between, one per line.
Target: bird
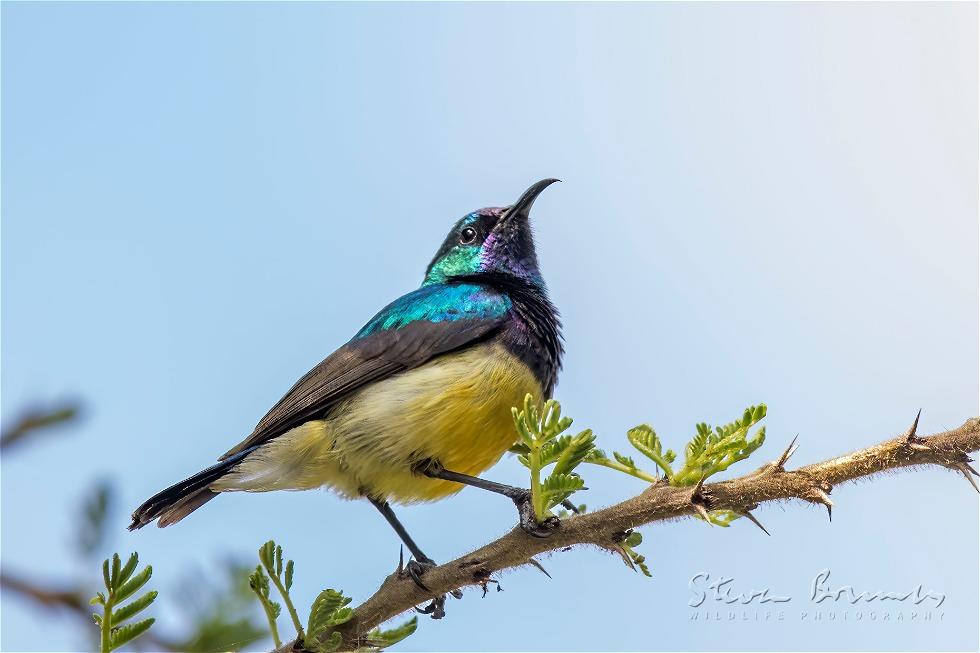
418 403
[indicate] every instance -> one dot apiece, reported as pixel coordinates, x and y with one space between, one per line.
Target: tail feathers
178 501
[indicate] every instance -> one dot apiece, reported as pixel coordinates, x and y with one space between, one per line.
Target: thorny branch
662 502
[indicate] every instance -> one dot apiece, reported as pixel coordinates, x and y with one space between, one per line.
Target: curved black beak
523 205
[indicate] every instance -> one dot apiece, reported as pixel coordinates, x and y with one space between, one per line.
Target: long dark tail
178 501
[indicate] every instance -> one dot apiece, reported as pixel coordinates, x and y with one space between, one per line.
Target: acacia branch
660 502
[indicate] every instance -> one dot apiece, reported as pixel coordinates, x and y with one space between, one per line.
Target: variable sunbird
419 402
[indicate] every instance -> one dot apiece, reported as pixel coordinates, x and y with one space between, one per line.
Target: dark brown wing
366 359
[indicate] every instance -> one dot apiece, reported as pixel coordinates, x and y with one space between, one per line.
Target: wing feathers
380 353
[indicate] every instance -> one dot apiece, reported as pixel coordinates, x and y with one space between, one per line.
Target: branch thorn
700 509
967 472
748 515
698 500
538 566
571 507
697 489
790 450
910 434
912 441
819 495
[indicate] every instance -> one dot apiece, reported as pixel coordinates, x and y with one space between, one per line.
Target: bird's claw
528 520
436 607
415 569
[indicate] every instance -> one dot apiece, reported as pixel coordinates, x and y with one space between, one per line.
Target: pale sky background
761 202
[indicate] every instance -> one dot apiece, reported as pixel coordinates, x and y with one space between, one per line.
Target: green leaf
385 638
519 448
328 644
341 616
105 574
289 574
128 569
325 608
715 450
722 517
543 444
128 633
550 451
127 611
267 554
133 584
558 487
633 559
644 439
640 561
575 452
698 443
259 582
624 460
114 577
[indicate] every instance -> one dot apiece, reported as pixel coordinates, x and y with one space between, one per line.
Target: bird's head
493 240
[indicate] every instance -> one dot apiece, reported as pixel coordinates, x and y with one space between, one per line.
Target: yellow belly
455 410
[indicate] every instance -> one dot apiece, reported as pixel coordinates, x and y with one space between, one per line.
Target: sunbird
418 402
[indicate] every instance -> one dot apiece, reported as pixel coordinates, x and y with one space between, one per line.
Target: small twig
34 421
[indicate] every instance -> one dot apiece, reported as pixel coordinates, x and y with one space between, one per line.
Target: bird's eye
467 235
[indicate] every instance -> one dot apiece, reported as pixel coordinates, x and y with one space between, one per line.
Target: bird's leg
420 562
520 496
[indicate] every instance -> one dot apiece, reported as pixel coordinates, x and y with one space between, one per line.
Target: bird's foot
528 520
415 569
436 607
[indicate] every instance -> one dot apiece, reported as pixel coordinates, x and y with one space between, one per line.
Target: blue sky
761 202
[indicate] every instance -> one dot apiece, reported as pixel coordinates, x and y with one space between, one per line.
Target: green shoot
121 582
542 444
625 464
708 452
259 583
271 556
329 610
378 639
